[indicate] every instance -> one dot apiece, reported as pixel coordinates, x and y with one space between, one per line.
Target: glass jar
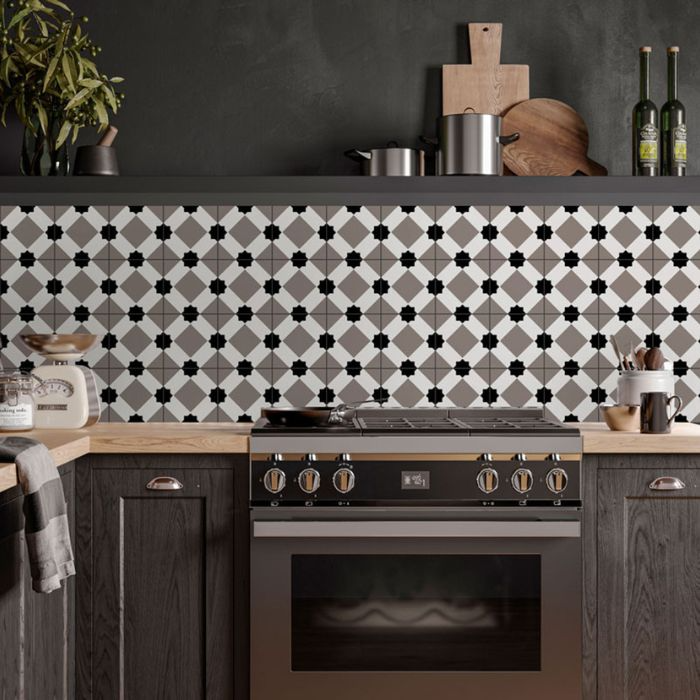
16 401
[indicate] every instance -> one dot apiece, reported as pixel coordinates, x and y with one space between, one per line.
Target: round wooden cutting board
553 140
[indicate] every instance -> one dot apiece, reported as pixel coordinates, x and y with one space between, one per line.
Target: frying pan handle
359 156
338 412
511 138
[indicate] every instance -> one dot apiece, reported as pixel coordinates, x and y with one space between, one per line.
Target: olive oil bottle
645 123
674 133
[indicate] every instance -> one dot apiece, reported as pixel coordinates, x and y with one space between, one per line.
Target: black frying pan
289 417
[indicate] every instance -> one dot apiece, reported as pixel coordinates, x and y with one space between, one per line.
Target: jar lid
15 380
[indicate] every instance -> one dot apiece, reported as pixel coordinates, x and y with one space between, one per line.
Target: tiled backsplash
208 313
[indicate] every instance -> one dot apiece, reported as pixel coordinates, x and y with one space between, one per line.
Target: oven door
400 605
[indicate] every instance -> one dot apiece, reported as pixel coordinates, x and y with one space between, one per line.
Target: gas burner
397 424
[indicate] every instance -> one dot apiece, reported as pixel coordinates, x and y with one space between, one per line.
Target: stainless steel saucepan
392 160
470 144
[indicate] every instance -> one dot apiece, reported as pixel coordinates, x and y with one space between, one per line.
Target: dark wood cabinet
36 630
157 612
643 578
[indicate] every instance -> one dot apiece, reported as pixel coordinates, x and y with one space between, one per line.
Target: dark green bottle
645 123
674 134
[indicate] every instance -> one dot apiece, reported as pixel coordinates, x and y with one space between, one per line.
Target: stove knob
344 480
310 457
486 457
277 458
557 479
274 480
520 457
344 458
554 457
309 480
521 480
487 479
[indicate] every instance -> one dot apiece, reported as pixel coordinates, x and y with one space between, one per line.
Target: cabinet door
161 618
36 630
649 583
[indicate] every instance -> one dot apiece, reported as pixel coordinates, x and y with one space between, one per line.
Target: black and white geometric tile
209 313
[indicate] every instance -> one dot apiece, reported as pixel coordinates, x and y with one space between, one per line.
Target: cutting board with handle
553 140
484 85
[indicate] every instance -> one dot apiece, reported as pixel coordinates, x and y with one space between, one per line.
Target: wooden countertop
232 438
599 439
125 438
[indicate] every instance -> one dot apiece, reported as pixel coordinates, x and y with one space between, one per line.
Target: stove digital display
415 481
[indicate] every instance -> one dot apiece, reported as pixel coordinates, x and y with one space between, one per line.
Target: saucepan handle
359 156
511 138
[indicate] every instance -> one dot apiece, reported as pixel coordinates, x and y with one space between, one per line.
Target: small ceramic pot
621 417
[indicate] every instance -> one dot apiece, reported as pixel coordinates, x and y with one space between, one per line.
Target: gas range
419 457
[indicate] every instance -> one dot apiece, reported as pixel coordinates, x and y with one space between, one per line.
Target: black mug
653 415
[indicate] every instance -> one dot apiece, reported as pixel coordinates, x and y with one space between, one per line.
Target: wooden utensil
484 85
640 355
618 352
654 359
553 140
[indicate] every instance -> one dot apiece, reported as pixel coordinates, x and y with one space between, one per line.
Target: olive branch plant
47 73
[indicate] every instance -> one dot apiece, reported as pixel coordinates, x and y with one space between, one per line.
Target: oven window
416 613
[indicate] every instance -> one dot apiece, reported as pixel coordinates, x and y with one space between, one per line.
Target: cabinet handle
666 483
164 483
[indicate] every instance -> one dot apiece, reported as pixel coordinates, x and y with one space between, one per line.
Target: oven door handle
471 529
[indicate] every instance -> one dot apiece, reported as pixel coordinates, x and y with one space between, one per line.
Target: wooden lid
645 49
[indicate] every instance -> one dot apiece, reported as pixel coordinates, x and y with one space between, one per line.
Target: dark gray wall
284 86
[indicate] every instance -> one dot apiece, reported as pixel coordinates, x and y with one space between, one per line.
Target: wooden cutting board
553 140
484 85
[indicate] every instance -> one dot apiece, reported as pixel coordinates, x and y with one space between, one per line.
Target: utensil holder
632 383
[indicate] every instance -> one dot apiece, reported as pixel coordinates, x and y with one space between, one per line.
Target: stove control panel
374 479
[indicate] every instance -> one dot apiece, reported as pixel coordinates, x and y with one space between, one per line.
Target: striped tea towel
45 519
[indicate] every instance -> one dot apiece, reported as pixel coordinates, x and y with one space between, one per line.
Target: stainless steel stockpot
470 144
391 160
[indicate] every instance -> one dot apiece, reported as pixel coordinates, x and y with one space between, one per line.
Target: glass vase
40 156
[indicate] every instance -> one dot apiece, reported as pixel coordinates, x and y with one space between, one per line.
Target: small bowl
621 417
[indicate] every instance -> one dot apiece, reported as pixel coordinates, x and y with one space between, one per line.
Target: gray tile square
352 231
137 230
189 397
349 381
82 232
248 230
462 383
462 287
358 341
462 231
190 287
631 231
190 343
190 230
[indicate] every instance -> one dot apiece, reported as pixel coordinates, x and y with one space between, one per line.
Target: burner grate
396 424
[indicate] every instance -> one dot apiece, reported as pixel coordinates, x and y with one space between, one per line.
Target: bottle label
648 145
680 144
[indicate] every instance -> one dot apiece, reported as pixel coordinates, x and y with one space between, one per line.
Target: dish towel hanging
45 519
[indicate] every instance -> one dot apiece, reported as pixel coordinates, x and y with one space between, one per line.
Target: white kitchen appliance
67 397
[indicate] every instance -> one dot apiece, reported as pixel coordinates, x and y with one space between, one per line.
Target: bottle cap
673 49
645 49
